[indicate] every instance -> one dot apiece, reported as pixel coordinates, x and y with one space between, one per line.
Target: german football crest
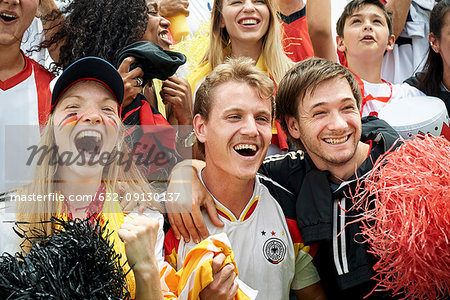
274 250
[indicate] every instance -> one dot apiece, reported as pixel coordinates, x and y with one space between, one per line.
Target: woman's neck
79 196
71 185
242 49
12 62
288 7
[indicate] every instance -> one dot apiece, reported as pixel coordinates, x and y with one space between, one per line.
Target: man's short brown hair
304 78
239 70
354 5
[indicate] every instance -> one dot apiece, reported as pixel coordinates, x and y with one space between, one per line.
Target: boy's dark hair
354 5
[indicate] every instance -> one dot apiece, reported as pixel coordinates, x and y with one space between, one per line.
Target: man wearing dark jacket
318 106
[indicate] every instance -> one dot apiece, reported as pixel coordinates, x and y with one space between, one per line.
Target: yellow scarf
196 273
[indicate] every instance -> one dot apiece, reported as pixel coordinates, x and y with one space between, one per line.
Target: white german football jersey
265 252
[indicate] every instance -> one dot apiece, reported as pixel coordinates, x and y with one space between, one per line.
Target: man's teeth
89 133
8 17
245 147
164 36
337 141
249 22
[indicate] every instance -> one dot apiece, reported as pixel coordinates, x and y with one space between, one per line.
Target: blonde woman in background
245 28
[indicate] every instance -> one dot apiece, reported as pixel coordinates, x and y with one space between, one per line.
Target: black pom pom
76 262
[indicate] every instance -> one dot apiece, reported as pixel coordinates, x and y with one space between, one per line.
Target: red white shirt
377 95
24 100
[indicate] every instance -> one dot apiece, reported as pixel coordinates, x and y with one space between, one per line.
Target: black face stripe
115 122
66 117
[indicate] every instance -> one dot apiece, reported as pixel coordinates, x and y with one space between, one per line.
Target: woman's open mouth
89 141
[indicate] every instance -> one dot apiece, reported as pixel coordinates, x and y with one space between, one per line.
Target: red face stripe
112 122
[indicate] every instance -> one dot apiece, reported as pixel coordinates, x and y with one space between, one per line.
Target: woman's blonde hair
276 61
45 181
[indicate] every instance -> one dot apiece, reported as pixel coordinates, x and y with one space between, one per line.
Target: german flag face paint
70 120
86 127
111 121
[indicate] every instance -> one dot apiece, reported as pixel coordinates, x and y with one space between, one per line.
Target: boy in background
365 33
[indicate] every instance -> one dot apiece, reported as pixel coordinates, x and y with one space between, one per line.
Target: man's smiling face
238 130
328 123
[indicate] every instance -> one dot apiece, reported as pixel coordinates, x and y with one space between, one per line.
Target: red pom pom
406 218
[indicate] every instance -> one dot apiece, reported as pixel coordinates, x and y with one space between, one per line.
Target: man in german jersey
233 120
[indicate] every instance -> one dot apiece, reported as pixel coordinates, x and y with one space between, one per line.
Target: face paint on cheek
112 122
71 119
111 125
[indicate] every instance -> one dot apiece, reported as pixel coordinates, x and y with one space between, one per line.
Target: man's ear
199 124
293 127
340 44
391 43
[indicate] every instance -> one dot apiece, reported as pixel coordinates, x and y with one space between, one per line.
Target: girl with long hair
435 80
86 161
246 28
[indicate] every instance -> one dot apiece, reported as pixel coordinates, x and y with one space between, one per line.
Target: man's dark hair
303 79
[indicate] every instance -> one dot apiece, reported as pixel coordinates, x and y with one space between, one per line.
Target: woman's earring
434 48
